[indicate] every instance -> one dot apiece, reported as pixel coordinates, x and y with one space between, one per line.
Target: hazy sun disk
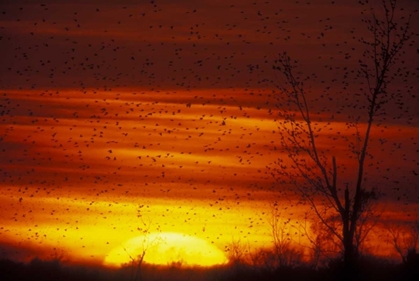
167 248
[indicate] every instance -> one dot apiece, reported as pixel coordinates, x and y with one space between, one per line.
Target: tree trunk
350 256
348 232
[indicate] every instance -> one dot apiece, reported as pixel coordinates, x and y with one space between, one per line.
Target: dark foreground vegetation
367 269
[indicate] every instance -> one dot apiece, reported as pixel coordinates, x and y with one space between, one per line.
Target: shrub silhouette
368 268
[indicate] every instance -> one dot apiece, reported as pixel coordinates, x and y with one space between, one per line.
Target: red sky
108 105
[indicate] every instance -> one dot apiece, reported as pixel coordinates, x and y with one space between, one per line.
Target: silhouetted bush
368 268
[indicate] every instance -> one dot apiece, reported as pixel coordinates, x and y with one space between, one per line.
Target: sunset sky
109 108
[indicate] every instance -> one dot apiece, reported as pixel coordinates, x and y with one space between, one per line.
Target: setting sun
166 248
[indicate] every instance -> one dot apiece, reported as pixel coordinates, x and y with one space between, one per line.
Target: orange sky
105 110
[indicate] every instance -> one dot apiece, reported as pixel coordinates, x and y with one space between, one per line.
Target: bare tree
281 233
368 219
323 246
404 238
309 168
146 243
236 252
241 257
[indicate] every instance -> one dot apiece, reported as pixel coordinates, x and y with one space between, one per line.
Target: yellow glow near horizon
166 248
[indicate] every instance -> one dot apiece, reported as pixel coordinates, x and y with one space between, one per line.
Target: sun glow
167 248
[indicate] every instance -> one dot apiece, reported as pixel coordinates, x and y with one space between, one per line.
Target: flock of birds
175 101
